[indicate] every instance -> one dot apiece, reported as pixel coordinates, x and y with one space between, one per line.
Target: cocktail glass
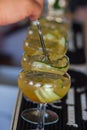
44 78
42 88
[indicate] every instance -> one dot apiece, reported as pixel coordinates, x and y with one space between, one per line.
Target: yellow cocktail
43 87
44 78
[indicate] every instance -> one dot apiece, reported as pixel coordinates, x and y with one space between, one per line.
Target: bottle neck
56 5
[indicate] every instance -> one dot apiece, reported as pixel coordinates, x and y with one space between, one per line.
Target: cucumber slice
46 95
44 67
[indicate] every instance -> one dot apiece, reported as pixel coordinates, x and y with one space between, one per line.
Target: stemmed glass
30 63
41 80
51 88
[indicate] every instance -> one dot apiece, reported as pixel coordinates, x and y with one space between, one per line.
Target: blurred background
11 50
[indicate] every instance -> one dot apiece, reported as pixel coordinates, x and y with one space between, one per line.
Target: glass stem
41 121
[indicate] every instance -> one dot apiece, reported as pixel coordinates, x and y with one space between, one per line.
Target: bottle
57 9
56 4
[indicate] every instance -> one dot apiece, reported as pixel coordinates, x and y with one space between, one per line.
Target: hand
12 11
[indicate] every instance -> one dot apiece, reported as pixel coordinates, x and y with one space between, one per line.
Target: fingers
37 10
14 11
40 2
